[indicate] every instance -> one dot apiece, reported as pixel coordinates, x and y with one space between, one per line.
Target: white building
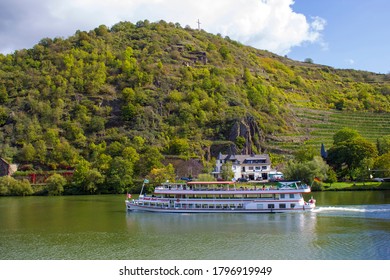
251 167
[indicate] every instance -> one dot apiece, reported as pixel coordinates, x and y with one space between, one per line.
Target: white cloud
264 24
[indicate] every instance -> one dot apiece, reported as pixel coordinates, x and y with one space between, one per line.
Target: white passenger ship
223 197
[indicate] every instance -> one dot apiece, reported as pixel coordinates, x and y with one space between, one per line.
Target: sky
347 34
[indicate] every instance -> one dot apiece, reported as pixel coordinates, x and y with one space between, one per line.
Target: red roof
210 183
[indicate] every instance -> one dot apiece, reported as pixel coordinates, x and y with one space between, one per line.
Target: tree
348 153
55 184
149 159
11 186
120 175
41 151
240 142
305 153
205 177
86 178
309 60
163 174
179 146
345 134
130 154
27 153
3 115
382 165
331 177
306 171
227 171
383 144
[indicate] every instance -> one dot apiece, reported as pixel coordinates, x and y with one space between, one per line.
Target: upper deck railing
227 186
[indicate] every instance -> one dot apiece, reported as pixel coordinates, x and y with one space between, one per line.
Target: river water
345 225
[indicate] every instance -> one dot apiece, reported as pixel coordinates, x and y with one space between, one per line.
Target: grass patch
357 186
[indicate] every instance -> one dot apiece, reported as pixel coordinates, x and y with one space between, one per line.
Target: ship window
292 205
291 195
282 205
282 195
271 206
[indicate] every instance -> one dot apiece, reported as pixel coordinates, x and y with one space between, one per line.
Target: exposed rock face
247 129
243 137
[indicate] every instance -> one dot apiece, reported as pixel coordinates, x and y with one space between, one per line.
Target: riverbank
355 186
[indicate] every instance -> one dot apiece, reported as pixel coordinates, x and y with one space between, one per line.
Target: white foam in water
381 208
349 209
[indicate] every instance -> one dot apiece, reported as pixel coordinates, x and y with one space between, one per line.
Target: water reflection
98 227
232 236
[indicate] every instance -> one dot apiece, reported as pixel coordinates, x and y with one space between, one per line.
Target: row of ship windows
232 206
228 196
219 206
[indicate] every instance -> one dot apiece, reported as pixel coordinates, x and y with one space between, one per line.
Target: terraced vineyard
314 127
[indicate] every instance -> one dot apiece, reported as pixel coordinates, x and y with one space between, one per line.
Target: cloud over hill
266 24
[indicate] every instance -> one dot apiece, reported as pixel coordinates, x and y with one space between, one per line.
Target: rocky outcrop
246 129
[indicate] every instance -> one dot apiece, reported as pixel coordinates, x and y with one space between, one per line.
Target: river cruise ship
223 197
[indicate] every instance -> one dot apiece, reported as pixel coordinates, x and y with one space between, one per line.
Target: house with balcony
250 167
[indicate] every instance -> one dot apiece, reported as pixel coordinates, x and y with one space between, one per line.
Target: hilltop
138 91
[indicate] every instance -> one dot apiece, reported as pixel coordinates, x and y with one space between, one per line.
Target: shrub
55 184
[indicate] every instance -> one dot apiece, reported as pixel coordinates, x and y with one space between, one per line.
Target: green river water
345 225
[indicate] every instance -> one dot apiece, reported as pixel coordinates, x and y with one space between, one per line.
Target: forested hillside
113 101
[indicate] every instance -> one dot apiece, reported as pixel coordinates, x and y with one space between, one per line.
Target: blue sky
356 34
338 33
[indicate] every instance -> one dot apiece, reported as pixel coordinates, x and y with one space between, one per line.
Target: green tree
55 184
3 95
240 142
309 60
227 171
306 171
120 174
41 151
149 159
383 144
305 153
11 186
179 146
382 165
27 153
331 177
163 174
205 177
86 178
225 52
3 115
346 156
345 134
